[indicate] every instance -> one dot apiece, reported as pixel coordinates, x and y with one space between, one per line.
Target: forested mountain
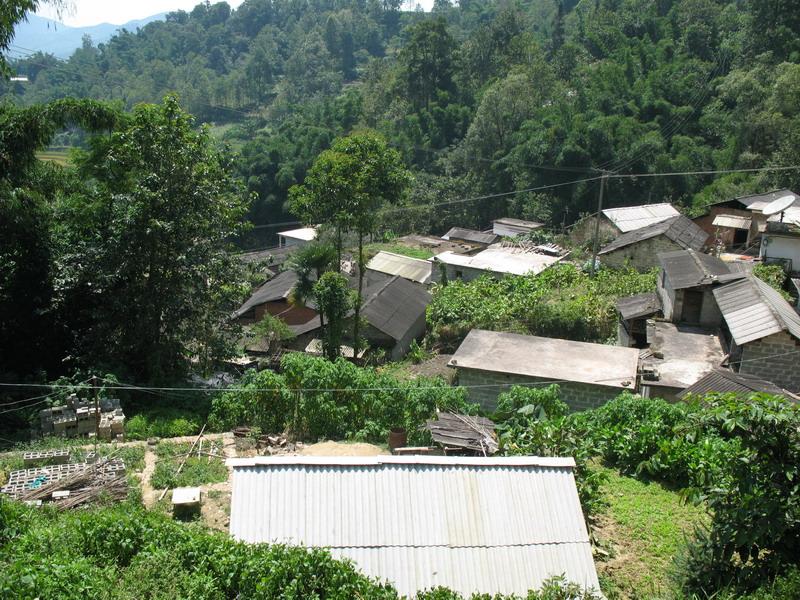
481 98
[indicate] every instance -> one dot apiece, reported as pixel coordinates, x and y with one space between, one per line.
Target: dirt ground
434 367
343 449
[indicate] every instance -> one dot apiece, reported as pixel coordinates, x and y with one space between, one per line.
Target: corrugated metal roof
305 234
471 524
725 380
753 310
689 268
396 307
733 221
684 232
640 305
550 358
629 218
470 235
277 288
756 202
497 259
390 263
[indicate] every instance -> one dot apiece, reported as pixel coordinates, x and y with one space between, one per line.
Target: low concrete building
413 269
763 331
677 356
489 363
780 244
685 287
507 227
616 221
500 525
497 261
634 311
640 248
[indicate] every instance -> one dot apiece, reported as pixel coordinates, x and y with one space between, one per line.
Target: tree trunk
357 316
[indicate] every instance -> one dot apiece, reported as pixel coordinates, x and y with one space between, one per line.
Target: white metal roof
550 358
472 524
629 218
732 221
497 259
307 234
413 269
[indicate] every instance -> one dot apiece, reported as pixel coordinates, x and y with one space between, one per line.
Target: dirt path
149 495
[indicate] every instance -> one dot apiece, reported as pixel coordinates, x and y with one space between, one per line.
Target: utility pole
596 240
96 412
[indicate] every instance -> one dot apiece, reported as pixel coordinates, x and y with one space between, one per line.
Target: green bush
562 301
163 422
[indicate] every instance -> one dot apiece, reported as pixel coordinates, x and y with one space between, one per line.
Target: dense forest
481 98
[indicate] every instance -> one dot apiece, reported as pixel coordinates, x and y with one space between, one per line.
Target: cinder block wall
578 396
642 256
775 358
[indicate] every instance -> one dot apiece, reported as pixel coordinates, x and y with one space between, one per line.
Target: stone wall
642 256
775 358
578 396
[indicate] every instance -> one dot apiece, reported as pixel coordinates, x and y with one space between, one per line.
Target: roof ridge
757 284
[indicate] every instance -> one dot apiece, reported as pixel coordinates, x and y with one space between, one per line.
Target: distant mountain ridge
52 37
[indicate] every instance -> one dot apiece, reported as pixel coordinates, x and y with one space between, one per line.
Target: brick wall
780 370
641 255
578 396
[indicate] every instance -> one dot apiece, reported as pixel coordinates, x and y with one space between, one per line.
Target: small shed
297 237
640 248
471 236
507 227
489 363
407 267
685 284
763 331
475 525
726 381
633 314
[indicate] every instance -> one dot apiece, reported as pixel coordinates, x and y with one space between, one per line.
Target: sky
93 12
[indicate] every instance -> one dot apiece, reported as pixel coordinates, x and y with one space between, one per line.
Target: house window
459 275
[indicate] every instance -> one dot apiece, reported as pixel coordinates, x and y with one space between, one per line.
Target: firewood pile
104 479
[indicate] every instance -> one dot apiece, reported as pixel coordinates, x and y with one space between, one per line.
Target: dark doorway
692 306
740 237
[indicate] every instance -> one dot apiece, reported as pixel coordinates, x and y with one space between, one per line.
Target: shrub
163 422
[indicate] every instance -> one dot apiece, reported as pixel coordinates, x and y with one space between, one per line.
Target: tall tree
310 263
428 61
157 277
334 300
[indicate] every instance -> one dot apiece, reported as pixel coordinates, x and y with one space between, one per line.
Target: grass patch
646 524
372 249
163 422
60 157
197 470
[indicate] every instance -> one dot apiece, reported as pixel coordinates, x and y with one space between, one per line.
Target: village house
497 261
423 521
762 330
617 221
274 298
389 263
640 247
489 363
725 381
507 227
297 237
477 239
780 244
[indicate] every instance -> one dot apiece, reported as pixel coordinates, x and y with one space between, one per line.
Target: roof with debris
726 381
467 432
415 269
489 525
752 309
638 306
689 268
396 306
684 232
278 288
549 358
502 260
470 235
629 218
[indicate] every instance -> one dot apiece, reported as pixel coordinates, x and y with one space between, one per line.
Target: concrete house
685 287
588 374
639 248
780 244
616 221
497 261
500 525
763 331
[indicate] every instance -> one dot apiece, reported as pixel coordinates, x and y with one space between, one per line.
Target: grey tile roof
489 525
681 230
640 305
395 306
689 268
725 380
753 310
470 235
277 288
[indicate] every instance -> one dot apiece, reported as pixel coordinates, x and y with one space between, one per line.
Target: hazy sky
92 12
